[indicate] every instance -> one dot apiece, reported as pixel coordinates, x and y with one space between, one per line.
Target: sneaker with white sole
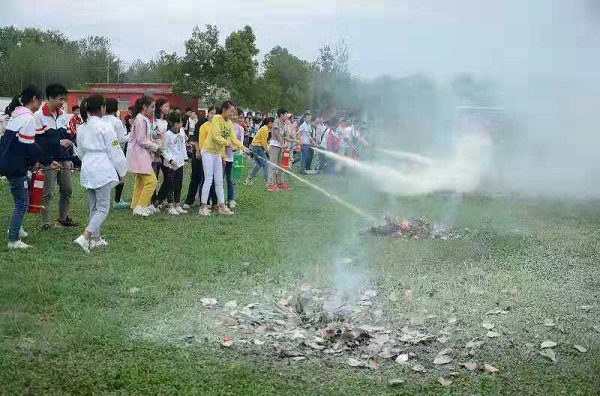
98 243
180 210
186 207
224 210
249 182
18 245
83 243
139 211
22 233
152 209
174 212
204 211
232 204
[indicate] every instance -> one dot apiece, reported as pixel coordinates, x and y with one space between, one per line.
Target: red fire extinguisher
285 159
36 192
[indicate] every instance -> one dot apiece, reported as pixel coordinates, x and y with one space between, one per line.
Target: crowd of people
154 139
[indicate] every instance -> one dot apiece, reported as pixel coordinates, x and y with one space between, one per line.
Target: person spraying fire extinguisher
19 152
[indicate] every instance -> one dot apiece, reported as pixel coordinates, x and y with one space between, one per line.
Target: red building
127 94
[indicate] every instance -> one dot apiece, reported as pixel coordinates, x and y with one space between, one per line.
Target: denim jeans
230 181
307 156
259 163
20 193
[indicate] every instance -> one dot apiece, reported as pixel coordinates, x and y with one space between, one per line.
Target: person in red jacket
74 121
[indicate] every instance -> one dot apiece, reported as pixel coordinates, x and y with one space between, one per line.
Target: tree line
213 71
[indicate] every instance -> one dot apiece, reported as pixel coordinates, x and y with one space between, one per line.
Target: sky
393 37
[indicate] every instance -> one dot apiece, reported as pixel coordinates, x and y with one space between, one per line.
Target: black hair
74 108
112 105
281 112
211 108
140 103
160 103
267 121
174 118
187 109
240 112
56 90
91 105
27 96
225 105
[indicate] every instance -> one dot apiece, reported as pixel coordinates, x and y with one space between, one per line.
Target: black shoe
46 227
68 222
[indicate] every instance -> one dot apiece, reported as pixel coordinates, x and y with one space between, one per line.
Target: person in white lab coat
112 118
102 164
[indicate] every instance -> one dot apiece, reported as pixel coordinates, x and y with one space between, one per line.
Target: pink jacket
140 146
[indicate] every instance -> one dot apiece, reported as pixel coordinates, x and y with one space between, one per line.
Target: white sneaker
186 207
248 182
152 209
180 210
224 210
98 243
22 233
84 243
173 211
204 211
18 245
139 211
232 204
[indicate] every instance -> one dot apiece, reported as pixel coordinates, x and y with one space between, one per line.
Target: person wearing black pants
197 175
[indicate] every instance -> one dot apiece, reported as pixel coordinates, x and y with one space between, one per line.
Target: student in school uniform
260 148
239 134
160 127
55 140
18 152
111 117
197 175
103 164
141 151
221 135
174 155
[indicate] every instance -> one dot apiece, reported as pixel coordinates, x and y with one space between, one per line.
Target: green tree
240 65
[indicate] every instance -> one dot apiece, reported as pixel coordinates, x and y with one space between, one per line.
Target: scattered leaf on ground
402 358
580 348
208 302
407 295
442 359
133 290
493 334
395 382
487 325
597 328
452 320
442 339
586 307
370 293
393 298
477 290
549 323
548 344
469 365
258 342
298 358
418 368
549 353
489 368
444 382
231 305
227 342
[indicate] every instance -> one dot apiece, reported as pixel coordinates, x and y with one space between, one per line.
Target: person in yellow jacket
221 134
260 148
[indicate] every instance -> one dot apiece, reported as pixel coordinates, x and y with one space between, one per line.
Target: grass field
71 323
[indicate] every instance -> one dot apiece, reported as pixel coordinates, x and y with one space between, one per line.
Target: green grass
69 324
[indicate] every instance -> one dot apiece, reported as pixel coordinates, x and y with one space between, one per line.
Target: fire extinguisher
36 192
238 165
285 159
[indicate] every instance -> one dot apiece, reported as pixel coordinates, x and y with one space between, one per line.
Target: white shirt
102 160
174 148
118 127
306 132
277 124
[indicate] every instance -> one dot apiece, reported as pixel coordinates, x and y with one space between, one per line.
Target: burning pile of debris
305 325
415 228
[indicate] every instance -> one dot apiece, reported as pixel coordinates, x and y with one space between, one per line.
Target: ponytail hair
91 105
30 93
139 105
267 121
